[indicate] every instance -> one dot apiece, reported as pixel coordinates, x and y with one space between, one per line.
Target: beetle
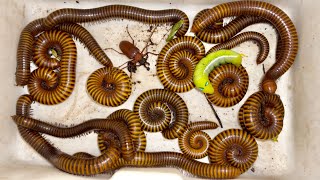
138 58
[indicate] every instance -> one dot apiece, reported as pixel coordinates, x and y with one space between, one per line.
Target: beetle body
131 51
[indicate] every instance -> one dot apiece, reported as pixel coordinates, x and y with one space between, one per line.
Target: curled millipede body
233 147
134 125
281 21
243 37
222 34
109 86
262 115
45 86
116 126
194 143
79 164
24 51
151 119
176 63
62 16
230 84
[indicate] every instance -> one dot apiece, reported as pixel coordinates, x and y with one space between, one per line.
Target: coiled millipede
109 86
154 115
281 21
45 85
230 84
233 147
195 143
176 63
262 115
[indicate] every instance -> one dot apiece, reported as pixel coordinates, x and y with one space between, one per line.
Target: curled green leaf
174 30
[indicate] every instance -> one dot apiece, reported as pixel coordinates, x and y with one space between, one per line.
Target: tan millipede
44 84
176 63
109 86
233 147
281 21
262 115
176 104
230 85
194 143
260 39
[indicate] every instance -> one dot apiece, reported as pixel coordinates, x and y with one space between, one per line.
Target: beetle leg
113 50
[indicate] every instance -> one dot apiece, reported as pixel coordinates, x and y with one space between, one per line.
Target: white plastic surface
295 155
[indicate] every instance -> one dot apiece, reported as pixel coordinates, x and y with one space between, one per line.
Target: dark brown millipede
109 86
230 85
44 85
113 125
243 37
194 143
62 16
222 34
78 165
176 63
281 21
153 117
233 147
262 115
134 125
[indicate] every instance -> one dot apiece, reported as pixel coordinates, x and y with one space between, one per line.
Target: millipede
176 63
109 86
260 39
281 21
194 143
69 15
77 164
152 118
230 84
262 115
233 147
134 125
221 34
47 86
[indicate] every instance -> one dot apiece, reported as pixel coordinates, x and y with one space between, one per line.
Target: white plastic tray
295 155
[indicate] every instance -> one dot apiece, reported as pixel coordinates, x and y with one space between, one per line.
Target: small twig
264 70
214 111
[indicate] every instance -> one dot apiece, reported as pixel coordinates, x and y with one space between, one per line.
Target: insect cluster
181 66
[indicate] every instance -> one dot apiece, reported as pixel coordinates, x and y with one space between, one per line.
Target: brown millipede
134 125
243 37
194 143
230 84
281 21
77 164
262 115
233 147
62 16
176 63
109 86
114 125
44 85
152 118
222 34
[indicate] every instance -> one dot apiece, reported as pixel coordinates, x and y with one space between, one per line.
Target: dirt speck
77 2
139 82
253 170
